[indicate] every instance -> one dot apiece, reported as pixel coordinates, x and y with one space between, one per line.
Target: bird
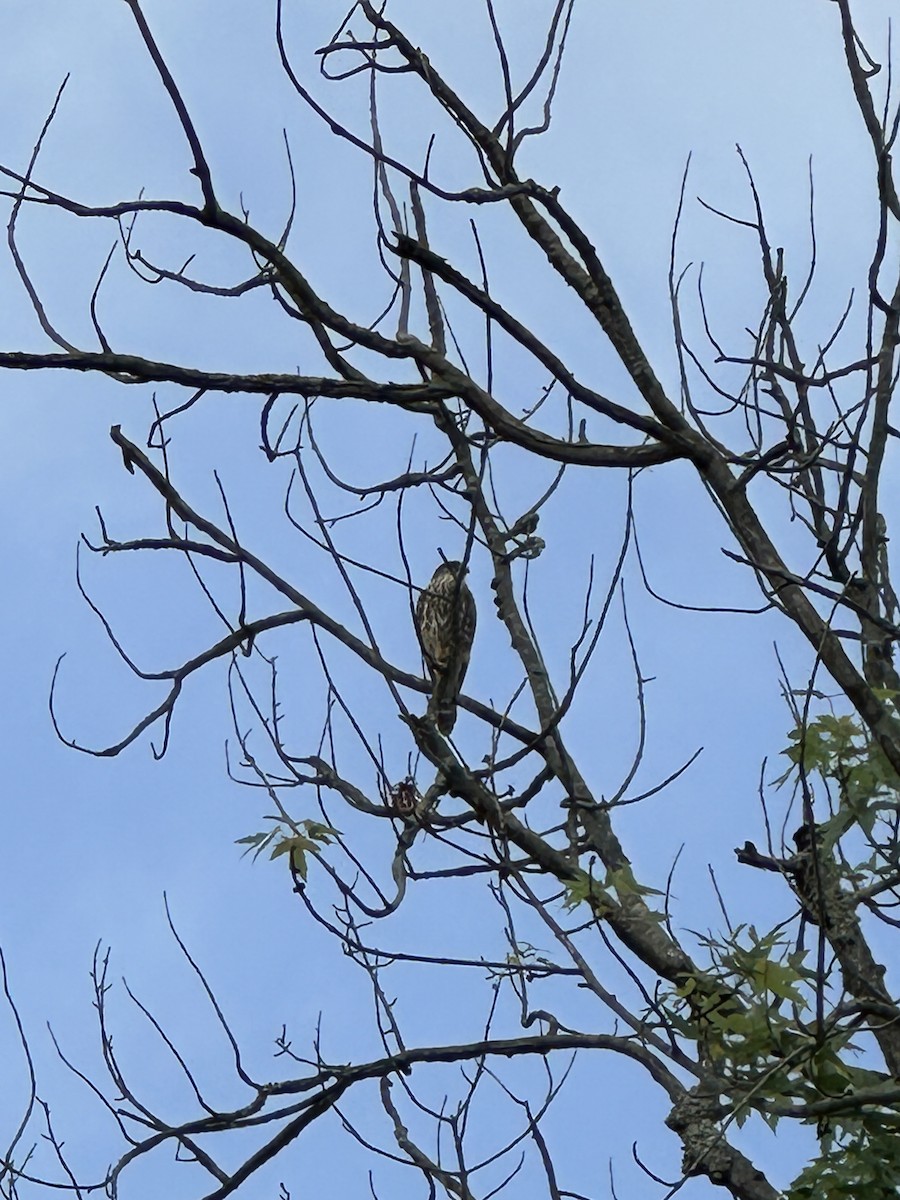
445 624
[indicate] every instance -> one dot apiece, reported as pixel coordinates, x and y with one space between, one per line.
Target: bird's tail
442 710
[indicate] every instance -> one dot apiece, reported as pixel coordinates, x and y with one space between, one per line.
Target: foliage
306 837
860 1163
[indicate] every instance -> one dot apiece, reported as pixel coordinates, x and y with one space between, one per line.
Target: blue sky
90 844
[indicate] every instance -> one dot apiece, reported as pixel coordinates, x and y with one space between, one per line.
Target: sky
92 844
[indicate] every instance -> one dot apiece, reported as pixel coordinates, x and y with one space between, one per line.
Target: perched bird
445 623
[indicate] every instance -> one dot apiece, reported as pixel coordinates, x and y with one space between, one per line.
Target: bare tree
384 805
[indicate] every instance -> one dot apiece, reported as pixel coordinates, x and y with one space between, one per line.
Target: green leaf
257 842
253 839
298 847
319 832
624 884
585 888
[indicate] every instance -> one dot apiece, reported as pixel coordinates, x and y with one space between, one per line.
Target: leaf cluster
305 837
